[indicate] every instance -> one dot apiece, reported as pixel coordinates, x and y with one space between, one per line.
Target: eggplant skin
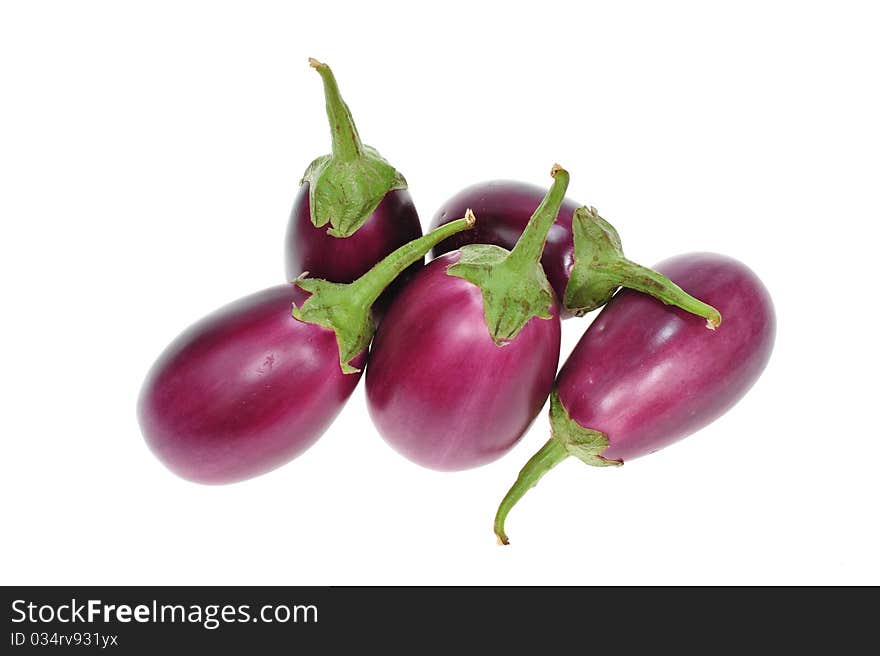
648 374
503 209
243 391
439 390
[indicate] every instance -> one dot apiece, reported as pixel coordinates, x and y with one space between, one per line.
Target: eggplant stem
346 141
549 455
642 279
530 245
370 286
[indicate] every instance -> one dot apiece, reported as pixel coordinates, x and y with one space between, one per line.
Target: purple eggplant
644 376
352 208
250 387
244 390
583 257
466 356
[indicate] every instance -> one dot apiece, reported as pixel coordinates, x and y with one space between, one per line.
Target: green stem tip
371 285
645 280
547 457
346 140
345 308
530 245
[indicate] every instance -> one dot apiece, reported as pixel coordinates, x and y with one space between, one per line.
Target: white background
149 155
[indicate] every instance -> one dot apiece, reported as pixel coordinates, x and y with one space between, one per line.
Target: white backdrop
149 155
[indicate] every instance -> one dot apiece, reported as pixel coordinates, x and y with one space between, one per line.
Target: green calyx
513 283
346 186
568 438
585 444
510 297
335 306
345 308
600 268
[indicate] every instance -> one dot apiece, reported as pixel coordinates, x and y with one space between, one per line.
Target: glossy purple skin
307 248
243 391
438 388
647 375
503 208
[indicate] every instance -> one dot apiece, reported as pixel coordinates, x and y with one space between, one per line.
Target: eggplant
466 356
645 375
352 208
583 257
253 385
244 390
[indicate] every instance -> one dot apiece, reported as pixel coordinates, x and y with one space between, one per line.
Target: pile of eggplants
460 354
